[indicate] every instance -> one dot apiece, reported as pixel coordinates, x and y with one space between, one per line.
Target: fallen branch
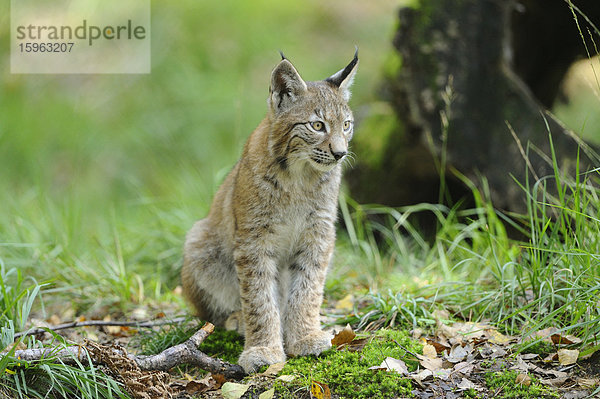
185 353
102 323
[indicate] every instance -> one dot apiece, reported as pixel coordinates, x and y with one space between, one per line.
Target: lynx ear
286 85
344 78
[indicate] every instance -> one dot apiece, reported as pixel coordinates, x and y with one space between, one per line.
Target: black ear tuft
340 76
343 79
282 55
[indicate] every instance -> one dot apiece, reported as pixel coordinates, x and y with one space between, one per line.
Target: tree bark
461 105
546 41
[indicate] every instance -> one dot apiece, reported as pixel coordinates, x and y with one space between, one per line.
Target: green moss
391 65
226 345
539 346
347 373
412 3
223 344
504 383
373 133
152 342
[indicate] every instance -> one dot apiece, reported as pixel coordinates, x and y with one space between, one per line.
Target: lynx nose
338 154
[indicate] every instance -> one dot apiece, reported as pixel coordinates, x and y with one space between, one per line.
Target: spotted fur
258 261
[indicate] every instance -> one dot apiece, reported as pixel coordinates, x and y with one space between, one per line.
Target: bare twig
102 323
185 353
406 350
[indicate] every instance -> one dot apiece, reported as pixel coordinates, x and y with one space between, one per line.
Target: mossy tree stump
457 98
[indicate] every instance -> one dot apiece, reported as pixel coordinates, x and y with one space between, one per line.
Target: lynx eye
347 125
318 126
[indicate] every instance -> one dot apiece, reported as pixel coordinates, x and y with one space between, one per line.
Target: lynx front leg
303 335
258 289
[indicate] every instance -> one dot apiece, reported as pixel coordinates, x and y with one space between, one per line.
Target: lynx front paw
312 344
254 357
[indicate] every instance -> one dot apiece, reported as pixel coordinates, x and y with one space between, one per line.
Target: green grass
17 296
551 277
49 377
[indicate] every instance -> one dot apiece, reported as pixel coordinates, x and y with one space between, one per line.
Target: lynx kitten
260 257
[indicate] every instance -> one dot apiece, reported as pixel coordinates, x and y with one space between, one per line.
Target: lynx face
315 119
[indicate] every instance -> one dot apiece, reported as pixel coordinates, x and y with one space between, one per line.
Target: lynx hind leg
235 322
208 276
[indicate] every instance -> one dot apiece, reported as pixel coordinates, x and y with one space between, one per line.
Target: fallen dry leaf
417 333
567 356
463 332
588 382
196 387
232 390
355 346
523 379
320 390
441 314
54 320
219 379
549 372
112 330
391 364
273 369
439 346
193 387
521 365
457 354
559 339
343 337
492 351
346 304
422 376
267 394
529 356
552 357
442 374
464 367
555 382
465 385
498 338
287 378
429 363
429 351
546 333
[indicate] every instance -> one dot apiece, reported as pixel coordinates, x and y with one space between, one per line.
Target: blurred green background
171 133
102 175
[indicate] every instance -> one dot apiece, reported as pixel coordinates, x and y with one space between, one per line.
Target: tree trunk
460 104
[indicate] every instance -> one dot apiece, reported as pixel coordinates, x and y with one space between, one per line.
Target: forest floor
451 359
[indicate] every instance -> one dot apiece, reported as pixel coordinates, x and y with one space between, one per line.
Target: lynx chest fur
258 261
